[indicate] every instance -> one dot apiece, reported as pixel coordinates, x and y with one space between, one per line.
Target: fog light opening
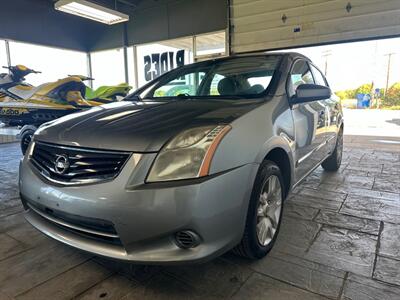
186 239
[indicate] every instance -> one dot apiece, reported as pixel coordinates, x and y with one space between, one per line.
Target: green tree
366 88
341 94
392 98
346 94
351 94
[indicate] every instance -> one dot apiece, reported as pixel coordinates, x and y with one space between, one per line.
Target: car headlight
188 155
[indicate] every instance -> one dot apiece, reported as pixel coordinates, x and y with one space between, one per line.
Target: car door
332 109
310 123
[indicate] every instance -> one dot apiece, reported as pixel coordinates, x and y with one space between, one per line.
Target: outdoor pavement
340 239
372 122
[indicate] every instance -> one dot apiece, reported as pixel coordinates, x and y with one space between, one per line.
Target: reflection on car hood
142 126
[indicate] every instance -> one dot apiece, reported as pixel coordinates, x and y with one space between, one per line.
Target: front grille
73 165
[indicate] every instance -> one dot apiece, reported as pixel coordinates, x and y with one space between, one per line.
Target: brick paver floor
340 239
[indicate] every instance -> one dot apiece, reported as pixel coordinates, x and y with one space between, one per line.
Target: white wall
54 63
108 67
3 56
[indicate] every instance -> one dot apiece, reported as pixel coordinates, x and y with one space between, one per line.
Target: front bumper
145 216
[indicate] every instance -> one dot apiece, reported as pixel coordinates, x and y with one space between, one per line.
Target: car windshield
240 77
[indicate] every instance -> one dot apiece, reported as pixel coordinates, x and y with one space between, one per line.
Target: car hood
141 126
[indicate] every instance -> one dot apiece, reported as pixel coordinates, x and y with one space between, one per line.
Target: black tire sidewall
333 162
337 148
267 169
23 137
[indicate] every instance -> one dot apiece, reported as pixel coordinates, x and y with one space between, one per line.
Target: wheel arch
278 150
281 158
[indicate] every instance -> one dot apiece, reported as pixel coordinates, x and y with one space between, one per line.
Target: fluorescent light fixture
91 11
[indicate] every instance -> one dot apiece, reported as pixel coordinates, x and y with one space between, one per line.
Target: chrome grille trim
87 166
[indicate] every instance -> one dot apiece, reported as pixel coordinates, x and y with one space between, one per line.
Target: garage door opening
366 77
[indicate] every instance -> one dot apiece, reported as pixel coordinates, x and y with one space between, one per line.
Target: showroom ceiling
39 23
162 20
150 21
112 3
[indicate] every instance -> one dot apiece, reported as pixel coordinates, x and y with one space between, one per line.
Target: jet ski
22 104
16 76
105 93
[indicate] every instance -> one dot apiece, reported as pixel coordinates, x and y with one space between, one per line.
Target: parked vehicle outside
180 177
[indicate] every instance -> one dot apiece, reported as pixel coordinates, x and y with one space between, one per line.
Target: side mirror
311 92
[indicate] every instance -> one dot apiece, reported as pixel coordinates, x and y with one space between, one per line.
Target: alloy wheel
269 210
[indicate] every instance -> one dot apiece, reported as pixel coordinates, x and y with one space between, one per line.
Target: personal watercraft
105 93
22 104
16 76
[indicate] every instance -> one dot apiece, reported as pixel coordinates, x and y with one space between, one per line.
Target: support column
229 30
135 68
8 53
89 69
126 53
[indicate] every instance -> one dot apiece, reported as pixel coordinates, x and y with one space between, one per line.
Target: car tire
26 138
256 243
333 162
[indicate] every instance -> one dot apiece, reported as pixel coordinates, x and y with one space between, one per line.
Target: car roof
291 55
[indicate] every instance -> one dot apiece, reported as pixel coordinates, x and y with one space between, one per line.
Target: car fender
273 143
279 142
255 134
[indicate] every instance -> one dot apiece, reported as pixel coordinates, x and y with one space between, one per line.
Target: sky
353 64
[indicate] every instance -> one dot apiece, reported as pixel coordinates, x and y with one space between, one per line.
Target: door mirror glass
311 92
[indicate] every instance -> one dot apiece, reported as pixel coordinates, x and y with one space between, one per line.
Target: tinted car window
185 85
300 74
239 77
318 77
214 84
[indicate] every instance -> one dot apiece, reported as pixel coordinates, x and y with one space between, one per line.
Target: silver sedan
193 164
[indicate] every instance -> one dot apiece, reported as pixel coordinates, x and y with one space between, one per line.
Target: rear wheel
264 213
26 138
333 162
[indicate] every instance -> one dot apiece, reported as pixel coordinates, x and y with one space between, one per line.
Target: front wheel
264 213
333 162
